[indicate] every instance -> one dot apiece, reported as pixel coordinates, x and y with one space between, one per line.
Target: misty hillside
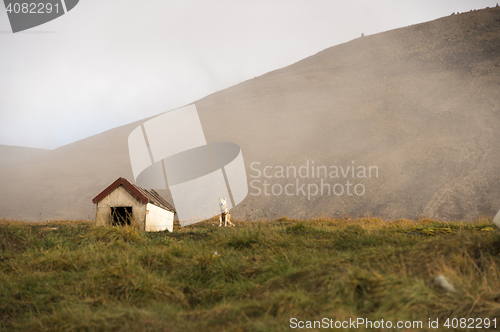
11 155
421 103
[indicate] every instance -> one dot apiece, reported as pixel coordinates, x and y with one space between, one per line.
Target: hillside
421 103
11 155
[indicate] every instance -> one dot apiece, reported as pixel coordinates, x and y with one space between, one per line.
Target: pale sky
108 63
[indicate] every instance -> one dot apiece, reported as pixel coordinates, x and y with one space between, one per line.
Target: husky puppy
224 213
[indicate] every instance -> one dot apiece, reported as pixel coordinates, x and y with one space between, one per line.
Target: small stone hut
124 203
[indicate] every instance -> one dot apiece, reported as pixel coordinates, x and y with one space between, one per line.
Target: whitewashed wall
158 219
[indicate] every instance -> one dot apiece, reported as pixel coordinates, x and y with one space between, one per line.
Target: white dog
224 213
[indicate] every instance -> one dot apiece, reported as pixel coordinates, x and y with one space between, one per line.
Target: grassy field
73 276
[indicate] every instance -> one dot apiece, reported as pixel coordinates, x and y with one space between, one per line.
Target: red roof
144 195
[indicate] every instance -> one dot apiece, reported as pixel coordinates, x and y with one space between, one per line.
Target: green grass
79 277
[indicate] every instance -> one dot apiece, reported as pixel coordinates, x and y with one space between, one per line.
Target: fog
109 63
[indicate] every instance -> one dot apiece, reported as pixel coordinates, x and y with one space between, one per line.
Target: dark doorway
121 215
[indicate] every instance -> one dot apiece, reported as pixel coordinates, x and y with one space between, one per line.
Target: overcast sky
109 63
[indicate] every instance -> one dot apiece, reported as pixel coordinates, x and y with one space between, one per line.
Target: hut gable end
120 197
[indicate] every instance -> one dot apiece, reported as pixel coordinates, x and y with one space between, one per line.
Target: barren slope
421 103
